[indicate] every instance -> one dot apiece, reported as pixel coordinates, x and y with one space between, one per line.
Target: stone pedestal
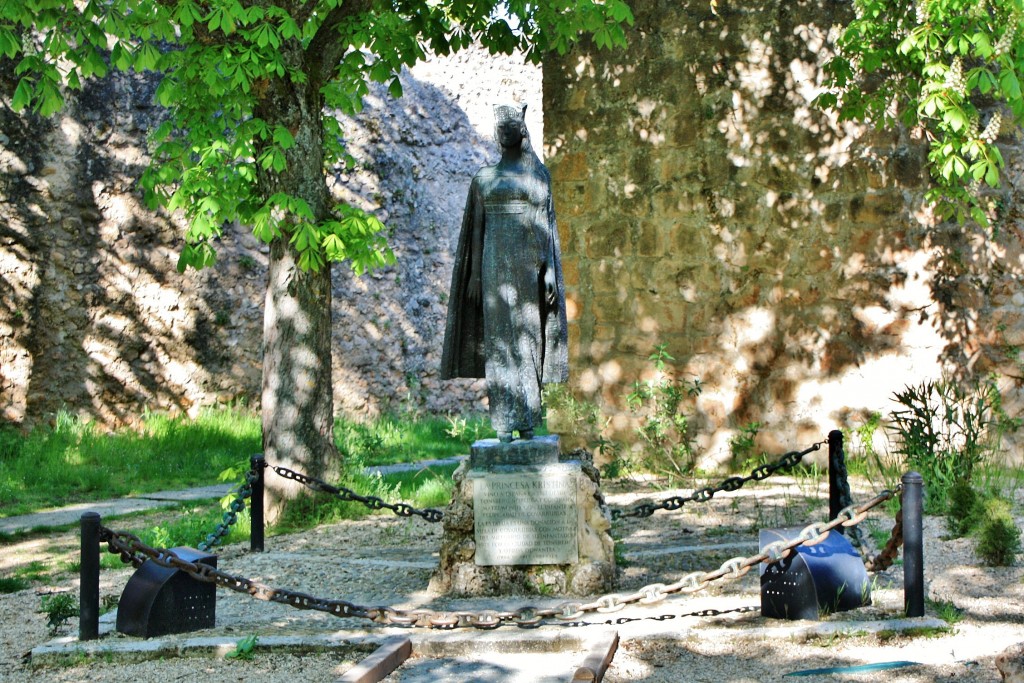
524 519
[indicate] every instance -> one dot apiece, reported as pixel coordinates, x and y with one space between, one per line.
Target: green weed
245 648
58 607
914 632
946 610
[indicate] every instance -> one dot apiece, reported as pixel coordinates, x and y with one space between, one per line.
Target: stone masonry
780 256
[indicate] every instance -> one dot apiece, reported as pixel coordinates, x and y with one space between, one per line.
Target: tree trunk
297 397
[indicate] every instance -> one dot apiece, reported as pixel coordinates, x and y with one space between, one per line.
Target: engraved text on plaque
526 517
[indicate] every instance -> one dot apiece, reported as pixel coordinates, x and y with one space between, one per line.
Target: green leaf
51 100
1010 85
955 118
334 248
283 137
147 57
395 88
992 175
22 95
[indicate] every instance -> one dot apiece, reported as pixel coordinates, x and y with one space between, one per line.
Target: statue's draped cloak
513 337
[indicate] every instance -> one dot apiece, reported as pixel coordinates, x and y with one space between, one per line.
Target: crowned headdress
507 112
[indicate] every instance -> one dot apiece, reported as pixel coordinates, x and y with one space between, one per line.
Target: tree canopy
949 68
219 57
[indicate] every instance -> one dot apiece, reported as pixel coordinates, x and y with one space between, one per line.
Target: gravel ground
386 560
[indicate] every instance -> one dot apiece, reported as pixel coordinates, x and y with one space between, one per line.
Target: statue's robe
513 337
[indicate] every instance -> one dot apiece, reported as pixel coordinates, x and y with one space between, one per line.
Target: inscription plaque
526 517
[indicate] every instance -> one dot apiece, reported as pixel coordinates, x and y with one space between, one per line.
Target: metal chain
348 495
134 551
667 617
703 495
884 559
230 516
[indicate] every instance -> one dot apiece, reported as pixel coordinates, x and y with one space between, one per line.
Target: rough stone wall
778 254
95 319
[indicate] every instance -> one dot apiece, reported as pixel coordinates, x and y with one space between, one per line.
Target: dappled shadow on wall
707 205
102 324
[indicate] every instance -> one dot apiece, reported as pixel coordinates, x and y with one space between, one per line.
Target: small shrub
661 405
963 510
58 607
945 430
998 535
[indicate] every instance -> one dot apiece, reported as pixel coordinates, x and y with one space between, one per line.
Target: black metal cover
160 600
815 580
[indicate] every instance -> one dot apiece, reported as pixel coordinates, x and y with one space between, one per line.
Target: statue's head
510 124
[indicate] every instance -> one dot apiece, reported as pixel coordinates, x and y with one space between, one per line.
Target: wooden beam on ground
597 662
385 659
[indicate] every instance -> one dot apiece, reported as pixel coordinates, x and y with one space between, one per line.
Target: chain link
230 516
348 495
703 495
133 550
667 617
887 556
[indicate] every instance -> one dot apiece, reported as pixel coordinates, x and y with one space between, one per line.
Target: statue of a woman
506 312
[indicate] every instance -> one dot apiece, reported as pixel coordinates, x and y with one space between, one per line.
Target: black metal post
836 475
258 465
89 578
913 544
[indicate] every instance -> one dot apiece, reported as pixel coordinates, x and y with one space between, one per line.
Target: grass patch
12 584
392 440
74 461
946 610
915 632
426 488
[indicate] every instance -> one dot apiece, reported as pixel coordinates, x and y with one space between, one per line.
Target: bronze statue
506 312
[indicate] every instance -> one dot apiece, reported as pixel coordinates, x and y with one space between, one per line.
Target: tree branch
327 47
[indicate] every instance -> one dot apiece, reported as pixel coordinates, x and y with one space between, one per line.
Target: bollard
913 544
258 465
836 476
89 578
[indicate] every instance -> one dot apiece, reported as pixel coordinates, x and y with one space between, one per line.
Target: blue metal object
813 581
160 600
859 669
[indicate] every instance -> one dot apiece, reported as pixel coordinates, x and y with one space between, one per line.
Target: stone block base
592 572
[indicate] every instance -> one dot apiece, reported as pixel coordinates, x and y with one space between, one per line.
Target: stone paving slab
414 466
